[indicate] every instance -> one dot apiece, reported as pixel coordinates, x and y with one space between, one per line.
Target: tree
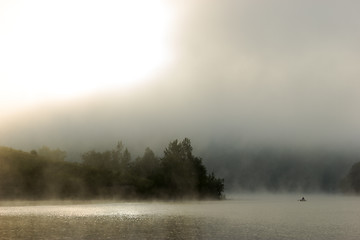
146 173
352 181
147 165
184 175
98 160
54 155
109 174
125 160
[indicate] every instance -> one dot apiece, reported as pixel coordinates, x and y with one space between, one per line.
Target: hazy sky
84 74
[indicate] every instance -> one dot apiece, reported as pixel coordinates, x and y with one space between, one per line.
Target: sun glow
62 49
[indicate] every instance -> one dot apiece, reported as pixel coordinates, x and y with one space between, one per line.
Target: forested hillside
351 182
280 170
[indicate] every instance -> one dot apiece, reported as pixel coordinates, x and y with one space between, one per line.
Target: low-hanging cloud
268 72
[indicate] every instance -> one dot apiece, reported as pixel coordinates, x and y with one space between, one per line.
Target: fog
245 74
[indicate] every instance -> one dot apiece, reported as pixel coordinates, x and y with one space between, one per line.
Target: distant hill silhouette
279 170
351 183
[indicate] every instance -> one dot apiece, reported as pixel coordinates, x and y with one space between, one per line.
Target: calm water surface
247 217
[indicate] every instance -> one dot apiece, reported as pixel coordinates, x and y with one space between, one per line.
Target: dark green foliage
146 170
30 176
54 155
44 174
185 175
177 175
351 183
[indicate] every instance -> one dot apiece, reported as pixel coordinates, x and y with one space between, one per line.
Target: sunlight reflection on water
247 218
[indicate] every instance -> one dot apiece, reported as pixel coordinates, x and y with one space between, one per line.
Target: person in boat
302 199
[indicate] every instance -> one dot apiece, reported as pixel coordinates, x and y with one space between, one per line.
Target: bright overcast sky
269 71
53 50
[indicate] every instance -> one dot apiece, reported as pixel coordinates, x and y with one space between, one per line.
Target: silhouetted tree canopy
44 174
54 155
351 183
185 175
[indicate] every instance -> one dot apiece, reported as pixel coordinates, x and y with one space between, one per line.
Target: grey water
243 217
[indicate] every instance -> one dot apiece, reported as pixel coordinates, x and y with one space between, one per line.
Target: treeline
351 183
44 174
275 170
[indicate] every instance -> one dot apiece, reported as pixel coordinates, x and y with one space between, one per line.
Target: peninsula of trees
44 174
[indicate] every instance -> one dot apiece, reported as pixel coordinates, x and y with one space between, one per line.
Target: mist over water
242 217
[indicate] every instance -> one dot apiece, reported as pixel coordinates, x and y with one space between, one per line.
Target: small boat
302 199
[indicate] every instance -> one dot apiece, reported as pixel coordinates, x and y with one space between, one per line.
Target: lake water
245 217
